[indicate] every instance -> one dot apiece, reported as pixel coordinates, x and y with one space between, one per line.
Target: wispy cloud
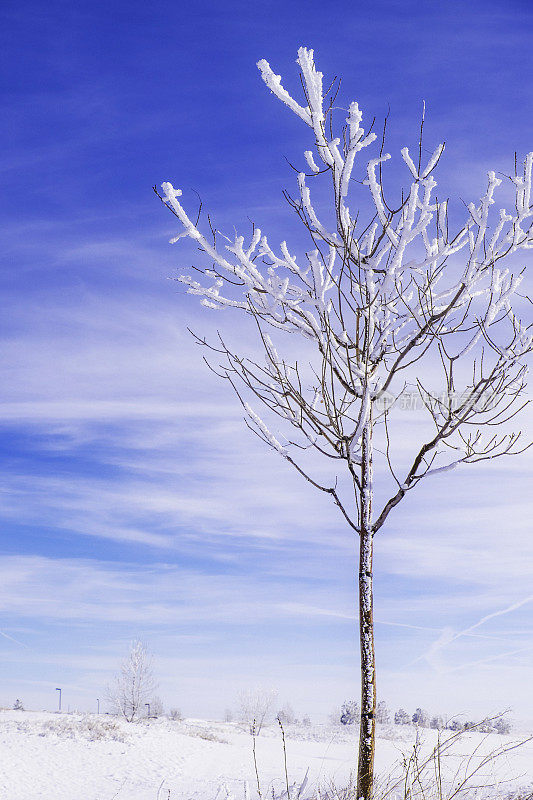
132 499
139 446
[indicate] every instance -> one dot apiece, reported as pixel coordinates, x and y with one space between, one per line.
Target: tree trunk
367 729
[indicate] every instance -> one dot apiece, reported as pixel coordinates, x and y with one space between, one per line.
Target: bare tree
134 685
334 717
381 290
286 715
421 718
256 708
382 713
401 717
155 706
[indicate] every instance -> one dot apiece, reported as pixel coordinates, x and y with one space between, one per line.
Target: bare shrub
446 772
209 736
89 727
286 715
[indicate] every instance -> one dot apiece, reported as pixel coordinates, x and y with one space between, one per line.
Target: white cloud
133 441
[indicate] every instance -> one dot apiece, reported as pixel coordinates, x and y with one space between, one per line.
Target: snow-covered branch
371 297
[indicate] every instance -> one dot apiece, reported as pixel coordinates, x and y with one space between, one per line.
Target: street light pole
59 690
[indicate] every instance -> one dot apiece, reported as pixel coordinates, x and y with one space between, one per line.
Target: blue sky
134 501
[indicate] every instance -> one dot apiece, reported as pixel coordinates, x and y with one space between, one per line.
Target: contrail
426 628
12 639
512 607
446 638
405 625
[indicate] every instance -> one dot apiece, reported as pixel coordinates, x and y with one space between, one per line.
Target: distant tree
156 707
17 705
228 715
382 713
402 717
437 723
421 718
502 726
350 712
306 721
175 715
286 715
455 725
257 708
134 684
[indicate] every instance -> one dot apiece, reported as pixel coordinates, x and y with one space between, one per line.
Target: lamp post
59 690
148 707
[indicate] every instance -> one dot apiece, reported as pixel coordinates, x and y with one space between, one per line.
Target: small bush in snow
401 717
175 715
88 728
421 718
209 736
286 715
502 726
335 717
350 712
455 725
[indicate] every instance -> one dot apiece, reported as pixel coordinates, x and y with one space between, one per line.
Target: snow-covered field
88 757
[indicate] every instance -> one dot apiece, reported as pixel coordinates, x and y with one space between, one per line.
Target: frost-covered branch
371 299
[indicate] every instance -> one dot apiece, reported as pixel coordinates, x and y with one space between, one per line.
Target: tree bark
367 729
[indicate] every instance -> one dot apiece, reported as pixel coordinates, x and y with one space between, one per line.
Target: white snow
49 756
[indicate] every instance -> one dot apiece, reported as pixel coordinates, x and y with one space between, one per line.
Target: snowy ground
85 757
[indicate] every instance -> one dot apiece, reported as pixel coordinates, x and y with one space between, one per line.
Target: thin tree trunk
365 767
